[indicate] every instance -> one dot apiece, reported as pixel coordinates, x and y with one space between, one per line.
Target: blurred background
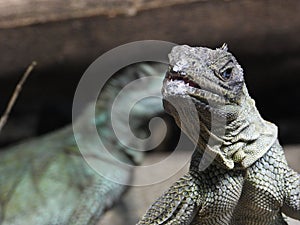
65 37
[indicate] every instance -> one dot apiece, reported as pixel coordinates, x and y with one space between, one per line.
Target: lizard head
205 92
213 79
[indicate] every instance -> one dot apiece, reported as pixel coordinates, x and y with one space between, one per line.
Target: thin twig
15 94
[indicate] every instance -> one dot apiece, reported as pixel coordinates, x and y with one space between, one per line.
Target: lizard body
46 181
238 172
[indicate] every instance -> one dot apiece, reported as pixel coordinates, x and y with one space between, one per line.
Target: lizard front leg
178 205
199 197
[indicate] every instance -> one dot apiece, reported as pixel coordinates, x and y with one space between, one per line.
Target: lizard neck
121 114
95 133
240 142
126 106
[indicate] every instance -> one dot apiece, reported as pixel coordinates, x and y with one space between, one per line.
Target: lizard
46 181
238 172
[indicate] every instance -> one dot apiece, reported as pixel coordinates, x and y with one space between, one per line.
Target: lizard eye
226 74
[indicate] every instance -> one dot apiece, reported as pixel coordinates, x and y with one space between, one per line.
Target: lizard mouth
171 76
185 85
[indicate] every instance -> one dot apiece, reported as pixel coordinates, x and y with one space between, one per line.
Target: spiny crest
224 47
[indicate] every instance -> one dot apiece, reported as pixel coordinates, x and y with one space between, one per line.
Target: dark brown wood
250 27
16 13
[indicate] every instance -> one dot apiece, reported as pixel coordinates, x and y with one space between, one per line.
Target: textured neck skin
247 138
228 125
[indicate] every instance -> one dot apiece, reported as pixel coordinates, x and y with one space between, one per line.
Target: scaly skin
46 181
238 173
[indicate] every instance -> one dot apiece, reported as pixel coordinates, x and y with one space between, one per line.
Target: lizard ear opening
224 47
